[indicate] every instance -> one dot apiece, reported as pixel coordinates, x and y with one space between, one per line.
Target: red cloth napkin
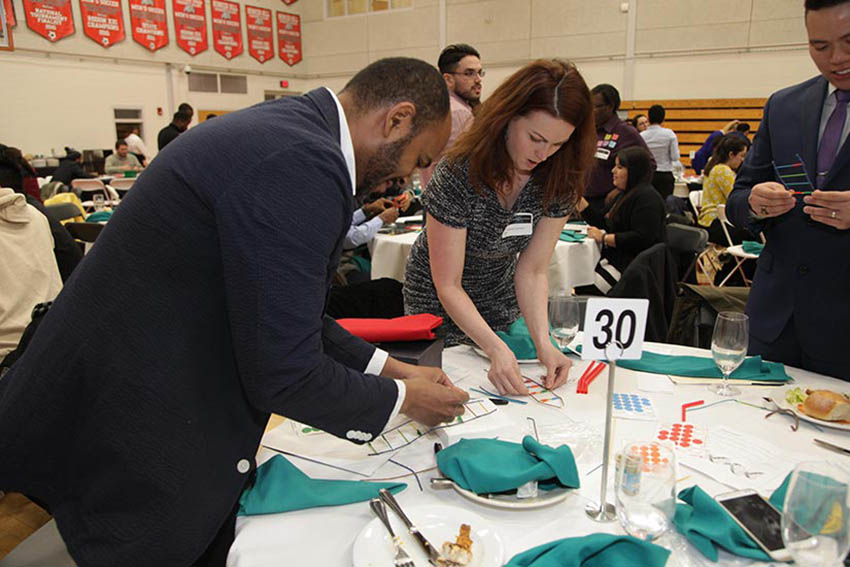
408 328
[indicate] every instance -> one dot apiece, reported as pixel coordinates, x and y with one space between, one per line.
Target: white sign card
608 322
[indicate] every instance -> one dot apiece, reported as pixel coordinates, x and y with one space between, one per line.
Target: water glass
729 348
815 522
98 202
565 313
646 489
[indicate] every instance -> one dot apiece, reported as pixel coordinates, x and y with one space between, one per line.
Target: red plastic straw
584 375
593 375
690 405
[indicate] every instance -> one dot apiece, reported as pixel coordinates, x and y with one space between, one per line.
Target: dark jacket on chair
137 408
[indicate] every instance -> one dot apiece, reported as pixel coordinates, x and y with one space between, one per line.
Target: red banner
288 2
10 13
147 19
226 28
102 21
260 41
190 25
289 37
51 19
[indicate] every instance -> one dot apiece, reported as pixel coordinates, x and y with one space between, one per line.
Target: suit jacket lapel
810 109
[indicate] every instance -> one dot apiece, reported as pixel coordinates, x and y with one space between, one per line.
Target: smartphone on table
758 518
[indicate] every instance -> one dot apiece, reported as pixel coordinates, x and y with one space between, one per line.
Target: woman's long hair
728 144
550 85
638 171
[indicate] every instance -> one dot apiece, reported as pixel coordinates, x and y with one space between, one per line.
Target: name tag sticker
602 153
521 225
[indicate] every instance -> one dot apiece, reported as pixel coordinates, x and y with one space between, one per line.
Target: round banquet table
572 263
325 536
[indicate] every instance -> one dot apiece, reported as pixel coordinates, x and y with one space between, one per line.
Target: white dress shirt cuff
402 391
375 366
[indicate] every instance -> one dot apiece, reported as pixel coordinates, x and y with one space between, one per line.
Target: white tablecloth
571 265
324 536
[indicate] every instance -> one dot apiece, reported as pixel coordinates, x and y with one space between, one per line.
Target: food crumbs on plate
459 552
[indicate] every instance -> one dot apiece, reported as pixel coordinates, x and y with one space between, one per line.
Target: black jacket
638 223
137 408
69 170
167 135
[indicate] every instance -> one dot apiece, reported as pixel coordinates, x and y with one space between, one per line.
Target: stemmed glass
564 318
729 348
815 522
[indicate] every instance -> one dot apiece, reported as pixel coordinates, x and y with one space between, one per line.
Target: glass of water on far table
564 318
729 348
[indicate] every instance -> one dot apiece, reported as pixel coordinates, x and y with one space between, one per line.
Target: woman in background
718 181
495 209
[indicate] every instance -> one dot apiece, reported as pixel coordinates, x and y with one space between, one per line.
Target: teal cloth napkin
753 367
572 236
519 340
752 247
99 216
488 465
281 487
707 525
595 550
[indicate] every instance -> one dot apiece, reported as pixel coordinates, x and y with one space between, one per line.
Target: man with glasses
460 65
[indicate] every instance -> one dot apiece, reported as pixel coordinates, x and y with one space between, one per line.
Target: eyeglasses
470 73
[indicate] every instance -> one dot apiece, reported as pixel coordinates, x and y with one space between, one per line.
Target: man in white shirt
460 65
136 146
664 145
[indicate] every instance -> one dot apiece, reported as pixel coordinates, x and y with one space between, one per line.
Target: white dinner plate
373 546
783 403
480 352
511 502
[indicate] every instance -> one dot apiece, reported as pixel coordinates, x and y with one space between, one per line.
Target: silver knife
828 445
389 500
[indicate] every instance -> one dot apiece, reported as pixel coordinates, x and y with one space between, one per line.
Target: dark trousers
663 182
787 350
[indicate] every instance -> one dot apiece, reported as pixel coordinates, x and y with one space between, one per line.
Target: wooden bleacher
694 119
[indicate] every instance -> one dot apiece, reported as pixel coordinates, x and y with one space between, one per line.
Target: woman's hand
595 233
557 367
504 373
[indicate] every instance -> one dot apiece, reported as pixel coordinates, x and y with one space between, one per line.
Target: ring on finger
763 210
833 214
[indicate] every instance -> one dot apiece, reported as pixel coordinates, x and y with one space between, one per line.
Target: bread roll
827 405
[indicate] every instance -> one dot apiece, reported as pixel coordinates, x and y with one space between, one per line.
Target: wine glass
729 348
815 521
564 318
646 489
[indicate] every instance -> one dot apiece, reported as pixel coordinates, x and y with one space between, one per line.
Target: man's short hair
186 108
656 114
821 4
452 55
609 94
120 142
397 79
744 127
181 116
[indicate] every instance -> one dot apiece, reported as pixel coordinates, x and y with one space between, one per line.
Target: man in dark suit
799 306
136 410
178 125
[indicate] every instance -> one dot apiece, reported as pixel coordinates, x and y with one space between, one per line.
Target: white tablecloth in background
324 536
572 263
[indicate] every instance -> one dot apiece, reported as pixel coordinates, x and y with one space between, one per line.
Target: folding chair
62 211
734 250
121 185
695 198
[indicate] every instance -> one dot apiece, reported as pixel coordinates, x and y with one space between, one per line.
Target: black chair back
62 211
85 231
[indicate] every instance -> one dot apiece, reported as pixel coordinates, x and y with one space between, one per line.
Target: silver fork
402 559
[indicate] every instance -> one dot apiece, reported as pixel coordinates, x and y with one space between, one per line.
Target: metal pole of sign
605 512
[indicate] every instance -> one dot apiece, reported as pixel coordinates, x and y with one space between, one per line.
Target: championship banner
288 2
190 25
226 28
289 37
10 13
102 21
50 19
147 20
260 42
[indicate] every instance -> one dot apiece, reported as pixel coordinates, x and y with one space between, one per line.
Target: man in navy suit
136 410
799 305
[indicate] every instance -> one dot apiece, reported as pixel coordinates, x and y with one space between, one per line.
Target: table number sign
148 23
190 25
614 329
260 42
51 19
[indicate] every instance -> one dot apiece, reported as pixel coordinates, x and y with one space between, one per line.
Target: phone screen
762 519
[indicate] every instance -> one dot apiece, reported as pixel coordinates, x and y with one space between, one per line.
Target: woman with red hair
495 208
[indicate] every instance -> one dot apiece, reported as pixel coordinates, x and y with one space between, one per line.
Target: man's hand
390 215
771 199
829 207
432 403
377 206
403 201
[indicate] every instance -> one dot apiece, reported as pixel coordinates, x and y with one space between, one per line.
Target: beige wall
62 94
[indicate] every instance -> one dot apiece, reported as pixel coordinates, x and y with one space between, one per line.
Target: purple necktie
831 139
